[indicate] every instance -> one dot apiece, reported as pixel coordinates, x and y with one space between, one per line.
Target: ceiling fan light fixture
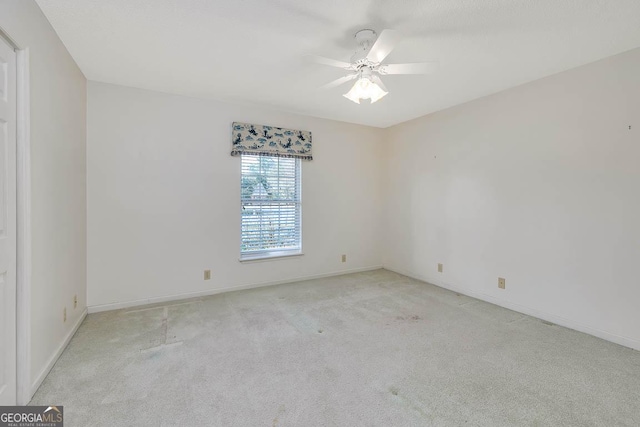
364 88
377 93
350 96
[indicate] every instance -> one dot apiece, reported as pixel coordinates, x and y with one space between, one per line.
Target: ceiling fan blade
338 82
377 80
328 61
414 68
383 46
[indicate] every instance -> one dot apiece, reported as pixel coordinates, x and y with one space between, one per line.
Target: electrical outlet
501 283
207 275
440 268
344 258
75 301
64 314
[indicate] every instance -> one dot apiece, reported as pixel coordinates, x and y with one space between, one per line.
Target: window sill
275 256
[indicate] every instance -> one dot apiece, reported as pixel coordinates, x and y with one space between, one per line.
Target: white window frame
265 255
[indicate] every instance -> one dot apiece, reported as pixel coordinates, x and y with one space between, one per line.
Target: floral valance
270 141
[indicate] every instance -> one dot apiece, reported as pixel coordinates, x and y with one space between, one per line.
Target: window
271 207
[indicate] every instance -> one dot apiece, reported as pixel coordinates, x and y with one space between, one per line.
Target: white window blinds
271 206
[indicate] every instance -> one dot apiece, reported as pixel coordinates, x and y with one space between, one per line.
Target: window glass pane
271 207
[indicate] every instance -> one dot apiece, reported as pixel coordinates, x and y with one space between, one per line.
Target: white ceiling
251 51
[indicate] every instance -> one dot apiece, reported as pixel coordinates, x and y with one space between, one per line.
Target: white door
7 224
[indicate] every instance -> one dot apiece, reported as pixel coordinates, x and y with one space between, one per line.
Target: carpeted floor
366 349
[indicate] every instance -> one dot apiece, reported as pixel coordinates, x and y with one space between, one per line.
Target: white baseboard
177 297
558 320
52 361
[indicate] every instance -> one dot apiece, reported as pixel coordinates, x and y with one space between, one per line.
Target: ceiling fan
366 65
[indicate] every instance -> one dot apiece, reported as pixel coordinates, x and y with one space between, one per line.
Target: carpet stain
517 320
413 318
276 420
409 404
164 327
157 348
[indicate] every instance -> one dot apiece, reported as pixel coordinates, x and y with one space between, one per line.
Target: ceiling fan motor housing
366 73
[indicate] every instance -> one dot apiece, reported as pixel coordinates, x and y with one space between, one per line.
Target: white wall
538 184
164 197
58 166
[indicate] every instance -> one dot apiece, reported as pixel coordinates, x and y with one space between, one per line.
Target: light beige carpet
366 349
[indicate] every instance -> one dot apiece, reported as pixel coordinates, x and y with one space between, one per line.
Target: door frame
23 222
24 391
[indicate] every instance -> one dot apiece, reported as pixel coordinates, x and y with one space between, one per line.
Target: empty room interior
305 213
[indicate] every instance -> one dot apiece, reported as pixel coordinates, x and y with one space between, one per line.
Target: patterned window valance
270 141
